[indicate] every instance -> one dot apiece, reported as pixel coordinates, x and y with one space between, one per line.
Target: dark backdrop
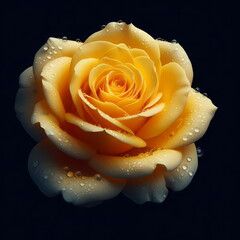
205 209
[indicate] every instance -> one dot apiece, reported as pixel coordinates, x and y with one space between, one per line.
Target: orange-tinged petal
151 188
80 75
173 52
175 88
57 173
135 166
60 138
181 177
101 115
27 96
190 126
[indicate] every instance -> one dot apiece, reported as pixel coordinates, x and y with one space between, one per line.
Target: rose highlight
113 114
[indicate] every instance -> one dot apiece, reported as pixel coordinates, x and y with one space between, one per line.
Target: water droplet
184 167
82 184
103 26
45 176
185 138
60 47
189 159
199 152
190 133
78 174
120 21
190 174
35 163
78 40
59 139
55 52
51 132
64 38
49 57
196 130
174 41
182 59
98 177
45 48
64 189
70 174
66 169
205 94
160 39
197 89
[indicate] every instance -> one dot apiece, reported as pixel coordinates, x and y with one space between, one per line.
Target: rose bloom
113 114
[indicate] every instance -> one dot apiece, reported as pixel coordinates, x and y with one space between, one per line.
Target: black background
206 208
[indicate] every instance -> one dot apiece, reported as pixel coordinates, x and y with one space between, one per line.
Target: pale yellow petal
175 88
151 188
181 177
190 126
135 166
54 48
54 100
60 138
57 173
173 52
26 98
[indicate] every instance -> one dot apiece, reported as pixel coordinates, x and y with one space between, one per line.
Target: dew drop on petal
98 177
197 89
45 176
103 26
64 38
60 47
185 138
66 169
196 130
49 57
78 174
45 48
184 167
82 184
70 174
190 174
35 163
78 40
199 152
189 159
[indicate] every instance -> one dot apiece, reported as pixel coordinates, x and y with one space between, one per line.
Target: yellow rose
113 114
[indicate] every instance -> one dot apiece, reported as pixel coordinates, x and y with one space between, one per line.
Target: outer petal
173 52
26 98
135 166
147 189
181 177
175 88
55 172
65 142
131 36
190 126
54 48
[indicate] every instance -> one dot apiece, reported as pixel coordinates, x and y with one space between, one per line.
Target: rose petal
103 117
26 98
135 166
131 36
181 177
175 88
54 100
60 138
54 48
147 189
190 126
121 136
80 75
173 52
57 173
